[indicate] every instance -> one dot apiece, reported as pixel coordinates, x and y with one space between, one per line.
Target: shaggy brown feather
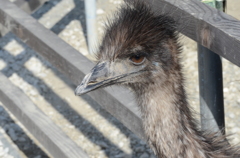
168 122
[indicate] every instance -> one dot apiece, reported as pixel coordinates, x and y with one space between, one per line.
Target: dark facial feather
135 28
157 82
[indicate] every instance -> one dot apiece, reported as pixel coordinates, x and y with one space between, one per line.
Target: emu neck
168 122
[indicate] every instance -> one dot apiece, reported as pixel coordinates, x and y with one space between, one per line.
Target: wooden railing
213 29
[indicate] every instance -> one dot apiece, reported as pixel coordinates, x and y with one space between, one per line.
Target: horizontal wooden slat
37 123
213 29
29 6
70 62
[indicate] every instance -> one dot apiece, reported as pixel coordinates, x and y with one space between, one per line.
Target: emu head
137 48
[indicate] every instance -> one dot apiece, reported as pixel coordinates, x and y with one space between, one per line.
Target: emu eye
137 59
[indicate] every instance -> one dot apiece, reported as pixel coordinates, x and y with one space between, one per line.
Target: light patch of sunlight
62 8
14 48
19 82
73 35
2 64
51 112
65 94
35 66
86 111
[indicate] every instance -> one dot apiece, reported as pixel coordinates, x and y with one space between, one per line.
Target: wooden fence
213 29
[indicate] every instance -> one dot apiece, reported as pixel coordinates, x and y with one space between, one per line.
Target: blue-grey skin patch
155 63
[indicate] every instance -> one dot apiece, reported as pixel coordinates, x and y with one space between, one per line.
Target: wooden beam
38 124
29 6
70 62
208 26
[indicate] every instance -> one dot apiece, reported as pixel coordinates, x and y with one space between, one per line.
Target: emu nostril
92 82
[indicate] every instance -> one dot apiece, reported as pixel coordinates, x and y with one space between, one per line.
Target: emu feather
141 51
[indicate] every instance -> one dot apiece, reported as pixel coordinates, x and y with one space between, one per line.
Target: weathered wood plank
41 127
211 86
29 6
213 29
70 62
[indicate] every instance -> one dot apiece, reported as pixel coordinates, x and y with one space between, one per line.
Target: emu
141 51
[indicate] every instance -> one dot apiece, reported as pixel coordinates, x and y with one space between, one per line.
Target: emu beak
98 77
106 74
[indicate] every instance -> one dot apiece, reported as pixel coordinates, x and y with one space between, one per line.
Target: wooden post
211 86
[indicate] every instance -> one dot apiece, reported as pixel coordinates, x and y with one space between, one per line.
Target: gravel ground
81 118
